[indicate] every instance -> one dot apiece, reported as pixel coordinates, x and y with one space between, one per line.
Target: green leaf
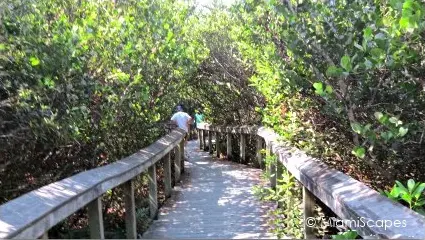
402 131
387 135
329 89
346 63
410 185
368 64
34 61
378 53
403 189
2 46
319 87
359 152
418 191
334 71
357 128
378 115
367 33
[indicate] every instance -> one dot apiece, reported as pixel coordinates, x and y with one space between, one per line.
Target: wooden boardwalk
214 200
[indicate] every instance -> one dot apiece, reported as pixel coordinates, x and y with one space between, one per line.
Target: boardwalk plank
214 200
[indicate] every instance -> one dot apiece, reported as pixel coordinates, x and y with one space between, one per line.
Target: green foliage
412 194
340 79
351 234
287 219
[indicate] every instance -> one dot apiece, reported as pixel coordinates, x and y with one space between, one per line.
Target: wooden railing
33 214
370 214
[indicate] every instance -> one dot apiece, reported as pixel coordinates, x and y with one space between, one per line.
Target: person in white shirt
182 120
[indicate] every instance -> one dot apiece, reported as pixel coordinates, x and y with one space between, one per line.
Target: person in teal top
199 118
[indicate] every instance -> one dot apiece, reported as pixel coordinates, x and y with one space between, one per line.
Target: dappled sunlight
215 201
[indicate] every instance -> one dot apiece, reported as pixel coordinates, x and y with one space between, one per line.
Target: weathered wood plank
130 210
229 146
272 166
199 137
177 163
242 146
94 211
167 175
182 156
308 207
217 144
259 147
153 189
204 139
210 146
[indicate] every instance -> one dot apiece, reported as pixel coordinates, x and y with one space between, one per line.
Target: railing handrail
34 213
348 198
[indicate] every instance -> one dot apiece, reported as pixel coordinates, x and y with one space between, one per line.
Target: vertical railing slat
259 147
229 146
177 163
210 142
217 144
242 148
153 198
308 207
96 219
199 138
204 139
182 156
130 210
167 175
272 167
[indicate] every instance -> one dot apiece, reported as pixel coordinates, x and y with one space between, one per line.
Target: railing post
182 156
259 148
130 210
96 219
242 148
308 207
200 138
45 235
204 138
210 142
217 144
153 199
229 146
177 163
167 175
279 177
272 167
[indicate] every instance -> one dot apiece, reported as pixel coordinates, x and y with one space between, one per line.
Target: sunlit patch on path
214 200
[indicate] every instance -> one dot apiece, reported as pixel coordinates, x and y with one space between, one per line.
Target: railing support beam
177 163
204 138
153 198
130 210
242 148
229 146
210 142
272 167
217 144
167 175
259 147
308 207
182 156
96 219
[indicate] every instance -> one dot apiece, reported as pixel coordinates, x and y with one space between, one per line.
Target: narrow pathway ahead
214 200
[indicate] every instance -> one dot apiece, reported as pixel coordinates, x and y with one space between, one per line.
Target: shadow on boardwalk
214 200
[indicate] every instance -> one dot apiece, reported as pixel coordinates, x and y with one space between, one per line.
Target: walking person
183 121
